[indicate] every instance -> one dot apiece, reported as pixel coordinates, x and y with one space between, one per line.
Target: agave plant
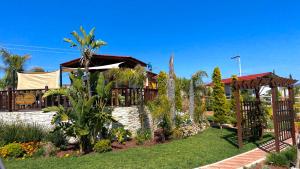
87 116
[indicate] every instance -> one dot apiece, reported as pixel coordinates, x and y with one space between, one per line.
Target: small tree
220 107
162 81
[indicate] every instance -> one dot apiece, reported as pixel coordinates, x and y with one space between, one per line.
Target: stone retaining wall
126 116
38 117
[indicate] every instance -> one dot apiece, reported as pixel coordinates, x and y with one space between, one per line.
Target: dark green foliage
20 132
121 135
102 146
166 125
283 158
58 138
220 106
143 135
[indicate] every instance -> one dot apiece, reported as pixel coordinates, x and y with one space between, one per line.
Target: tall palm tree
12 64
87 45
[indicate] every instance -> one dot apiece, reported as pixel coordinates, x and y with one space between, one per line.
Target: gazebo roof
100 60
266 79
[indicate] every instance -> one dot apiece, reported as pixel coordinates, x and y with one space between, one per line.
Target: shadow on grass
263 143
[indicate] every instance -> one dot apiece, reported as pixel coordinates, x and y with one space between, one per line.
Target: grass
205 148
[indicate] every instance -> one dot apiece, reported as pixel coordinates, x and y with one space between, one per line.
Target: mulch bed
131 144
73 150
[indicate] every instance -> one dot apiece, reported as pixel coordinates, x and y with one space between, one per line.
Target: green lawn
207 147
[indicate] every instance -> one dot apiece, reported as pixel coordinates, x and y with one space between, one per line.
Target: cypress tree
220 107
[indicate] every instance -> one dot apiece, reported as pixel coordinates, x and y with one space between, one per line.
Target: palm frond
61 91
70 41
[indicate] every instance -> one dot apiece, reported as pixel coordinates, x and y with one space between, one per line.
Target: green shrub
12 150
39 153
143 135
20 132
102 146
177 133
277 159
283 158
291 154
58 138
121 135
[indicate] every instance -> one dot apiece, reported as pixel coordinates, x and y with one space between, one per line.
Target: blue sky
201 34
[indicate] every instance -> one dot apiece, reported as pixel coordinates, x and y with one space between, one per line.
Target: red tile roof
247 77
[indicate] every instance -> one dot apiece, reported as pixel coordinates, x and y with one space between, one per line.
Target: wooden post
60 76
238 117
46 99
10 101
261 129
292 113
126 97
117 97
274 107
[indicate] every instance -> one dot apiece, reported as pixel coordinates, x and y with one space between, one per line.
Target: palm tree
196 93
12 64
87 45
87 117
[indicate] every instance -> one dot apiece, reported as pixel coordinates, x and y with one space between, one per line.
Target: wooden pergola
249 113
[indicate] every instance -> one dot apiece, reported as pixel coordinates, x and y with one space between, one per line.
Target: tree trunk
88 83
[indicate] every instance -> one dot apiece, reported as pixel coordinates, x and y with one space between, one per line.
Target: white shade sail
38 80
111 66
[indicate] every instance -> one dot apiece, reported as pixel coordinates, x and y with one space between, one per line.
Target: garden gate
249 113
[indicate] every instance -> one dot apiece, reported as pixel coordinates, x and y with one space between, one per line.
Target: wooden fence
9 99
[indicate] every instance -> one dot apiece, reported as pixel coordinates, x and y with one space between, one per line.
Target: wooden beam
238 117
291 109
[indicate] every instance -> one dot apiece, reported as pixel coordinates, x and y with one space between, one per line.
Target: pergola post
291 107
257 98
274 107
238 117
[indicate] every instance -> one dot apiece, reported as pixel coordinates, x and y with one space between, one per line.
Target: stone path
247 158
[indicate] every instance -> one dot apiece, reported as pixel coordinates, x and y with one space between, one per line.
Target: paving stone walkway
247 158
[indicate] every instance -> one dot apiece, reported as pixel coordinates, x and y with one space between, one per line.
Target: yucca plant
87 116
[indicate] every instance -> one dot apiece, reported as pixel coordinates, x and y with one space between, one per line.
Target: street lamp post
238 58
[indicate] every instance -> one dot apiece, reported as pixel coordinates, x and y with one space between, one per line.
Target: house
122 94
104 62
